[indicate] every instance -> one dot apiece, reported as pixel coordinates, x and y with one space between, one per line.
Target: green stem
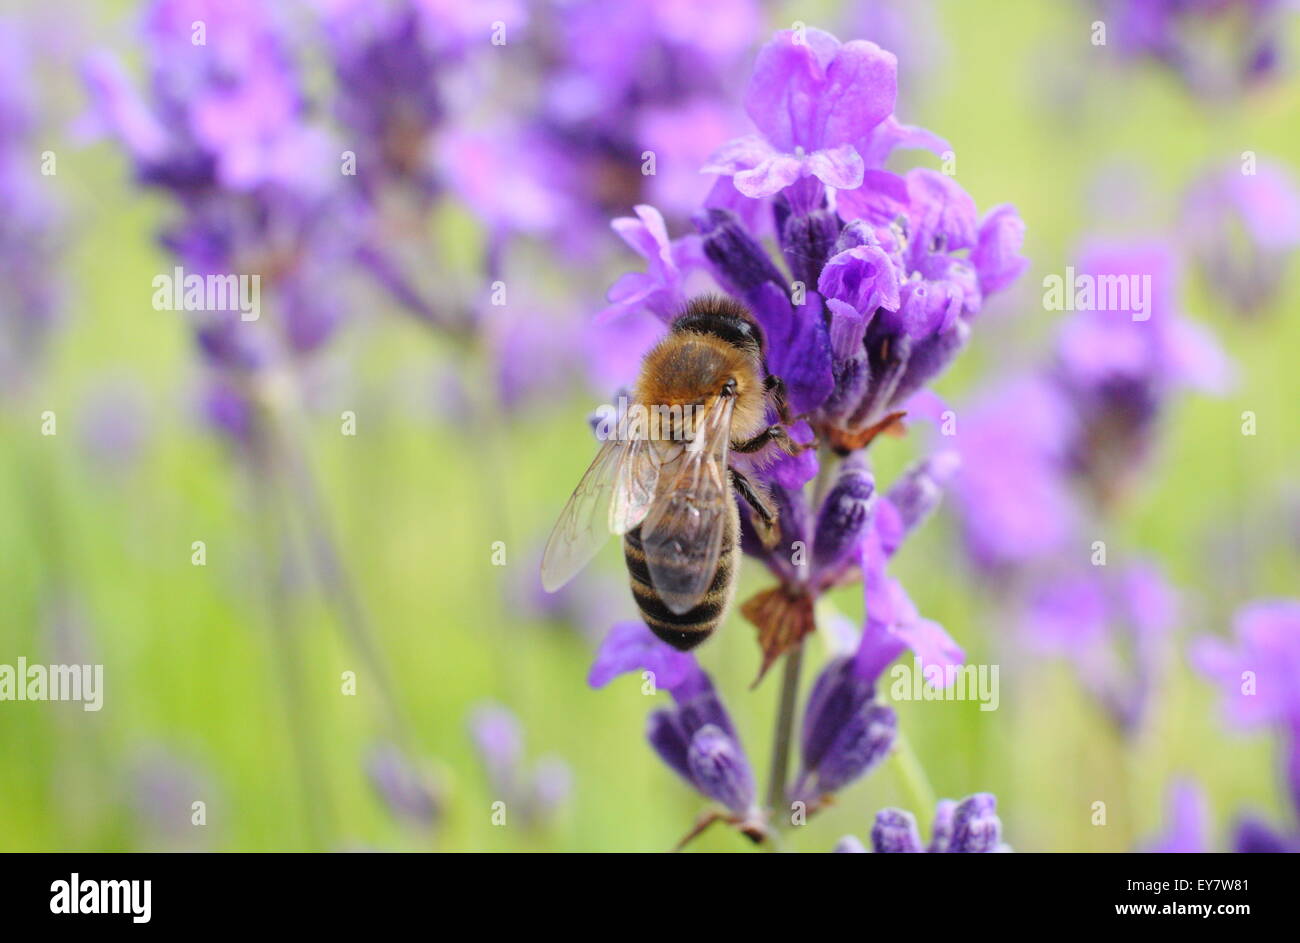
334 576
783 734
920 794
316 802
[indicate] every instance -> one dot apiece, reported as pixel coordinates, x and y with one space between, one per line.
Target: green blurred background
417 502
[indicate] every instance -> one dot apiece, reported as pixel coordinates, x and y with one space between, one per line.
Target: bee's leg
775 387
776 434
764 516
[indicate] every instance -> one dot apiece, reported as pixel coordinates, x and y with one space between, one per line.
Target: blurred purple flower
532 794
114 424
1217 47
1187 826
657 83
1114 624
1012 495
1253 836
1243 229
1260 677
224 128
31 225
407 790
163 787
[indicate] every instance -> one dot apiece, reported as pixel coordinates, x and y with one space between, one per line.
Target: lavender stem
776 785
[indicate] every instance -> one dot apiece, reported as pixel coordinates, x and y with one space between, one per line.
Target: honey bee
666 487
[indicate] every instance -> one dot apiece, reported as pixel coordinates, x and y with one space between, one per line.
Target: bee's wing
682 533
613 496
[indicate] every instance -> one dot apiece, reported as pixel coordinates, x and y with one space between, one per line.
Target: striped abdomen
689 629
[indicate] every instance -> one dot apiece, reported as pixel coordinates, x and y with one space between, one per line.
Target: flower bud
976 827
738 260
918 491
895 832
845 731
849 844
842 521
719 769
806 241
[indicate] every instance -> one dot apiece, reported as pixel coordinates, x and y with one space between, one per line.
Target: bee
667 487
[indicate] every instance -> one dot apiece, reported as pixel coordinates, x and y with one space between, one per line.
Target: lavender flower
658 82
1118 368
532 795
163 786
224 130
970 826
1217 47
1259 677
1186 829
1253 836
30 225
852 535
1113 624
1013 497
408 791
696 737
823 109
878 280
846 732
1242 229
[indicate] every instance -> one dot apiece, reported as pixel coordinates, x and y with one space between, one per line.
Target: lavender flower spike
823 109
970 826
695 737
846 731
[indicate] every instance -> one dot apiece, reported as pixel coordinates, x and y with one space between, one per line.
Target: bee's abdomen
690 628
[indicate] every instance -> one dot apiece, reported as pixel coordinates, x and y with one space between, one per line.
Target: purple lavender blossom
875 288
532 794
852 535
1253 836
1188 821
823 109
970 826
1118 367
1113 624
846 731
388 63
30 225
1243 229
1013 496
695 737
659 81
223 128
163 786
1217 47
1259 676
408 791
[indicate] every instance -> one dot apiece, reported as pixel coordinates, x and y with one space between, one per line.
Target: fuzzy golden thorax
689 368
